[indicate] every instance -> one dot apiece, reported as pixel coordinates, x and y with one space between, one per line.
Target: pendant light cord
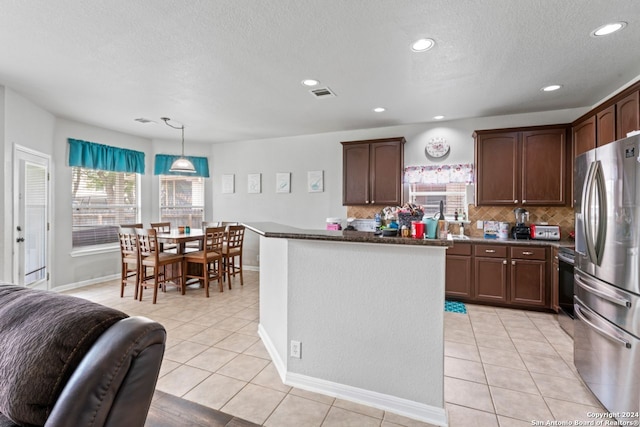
166 122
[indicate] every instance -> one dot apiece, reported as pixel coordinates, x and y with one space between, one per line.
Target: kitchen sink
457 237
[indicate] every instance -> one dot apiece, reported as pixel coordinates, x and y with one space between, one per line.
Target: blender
521 230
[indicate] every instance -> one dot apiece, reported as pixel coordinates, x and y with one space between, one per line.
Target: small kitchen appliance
521 230
545 232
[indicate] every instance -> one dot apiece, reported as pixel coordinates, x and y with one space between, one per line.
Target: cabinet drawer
491 251
523 252
460 249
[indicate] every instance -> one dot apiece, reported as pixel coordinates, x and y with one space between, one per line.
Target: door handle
611 298
20 239
601 331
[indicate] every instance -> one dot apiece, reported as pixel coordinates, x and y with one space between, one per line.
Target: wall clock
437 147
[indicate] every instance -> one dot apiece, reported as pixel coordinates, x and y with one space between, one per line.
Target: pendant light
181 164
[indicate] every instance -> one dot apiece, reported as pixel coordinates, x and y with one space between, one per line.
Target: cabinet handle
556 257
366 201
513 262
524 201
504 261
490 251
515 201
373 201
527 253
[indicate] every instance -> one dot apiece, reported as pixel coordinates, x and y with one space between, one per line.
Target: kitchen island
368 312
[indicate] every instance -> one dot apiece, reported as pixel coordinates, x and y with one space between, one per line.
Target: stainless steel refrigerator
607 274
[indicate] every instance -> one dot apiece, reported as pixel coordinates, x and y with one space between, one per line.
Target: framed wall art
283 182
315 181
228 184
254 184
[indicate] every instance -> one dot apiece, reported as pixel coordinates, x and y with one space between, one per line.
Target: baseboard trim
84 283
407 408
271 349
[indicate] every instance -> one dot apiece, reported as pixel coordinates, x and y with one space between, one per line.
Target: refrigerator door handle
601 235
601 331
611 298
587 200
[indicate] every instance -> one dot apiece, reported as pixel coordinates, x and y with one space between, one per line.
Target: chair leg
155 285
138 275
205 271
220 274
123 278
230 270
241 279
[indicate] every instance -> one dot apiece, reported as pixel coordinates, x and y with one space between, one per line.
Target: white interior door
31 218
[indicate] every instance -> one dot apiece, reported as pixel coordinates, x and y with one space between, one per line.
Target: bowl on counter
390 232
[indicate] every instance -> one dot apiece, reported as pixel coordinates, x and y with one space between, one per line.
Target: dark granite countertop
272 229
510 241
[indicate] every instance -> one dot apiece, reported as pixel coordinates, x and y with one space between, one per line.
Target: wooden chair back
128 245
147 242
213 240
235 237
161 227
136 225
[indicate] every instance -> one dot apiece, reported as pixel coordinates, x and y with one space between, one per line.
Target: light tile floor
503 367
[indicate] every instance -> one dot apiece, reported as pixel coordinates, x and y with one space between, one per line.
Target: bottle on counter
378 220
461 229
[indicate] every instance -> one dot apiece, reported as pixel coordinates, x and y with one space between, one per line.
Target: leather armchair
112 382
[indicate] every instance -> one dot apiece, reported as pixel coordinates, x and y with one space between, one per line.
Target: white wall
23 122
30 126
301 154
68 269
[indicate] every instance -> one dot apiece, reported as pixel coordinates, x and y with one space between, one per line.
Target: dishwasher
566 314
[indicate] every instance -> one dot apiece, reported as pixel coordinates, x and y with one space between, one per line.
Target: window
453 195
101 201
182 200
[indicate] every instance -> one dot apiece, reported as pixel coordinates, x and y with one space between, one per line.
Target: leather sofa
65 361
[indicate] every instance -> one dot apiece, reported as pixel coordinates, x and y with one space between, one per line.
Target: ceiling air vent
323 92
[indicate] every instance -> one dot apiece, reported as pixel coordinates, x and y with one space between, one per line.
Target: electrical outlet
296 349
479 225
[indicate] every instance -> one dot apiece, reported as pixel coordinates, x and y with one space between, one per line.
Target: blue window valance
164 161
91 155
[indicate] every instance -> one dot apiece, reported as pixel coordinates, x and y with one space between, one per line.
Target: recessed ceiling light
551 88
608 29
379 109
422 45
438 117
310 82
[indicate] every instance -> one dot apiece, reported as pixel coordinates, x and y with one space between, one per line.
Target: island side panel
369 316
273 299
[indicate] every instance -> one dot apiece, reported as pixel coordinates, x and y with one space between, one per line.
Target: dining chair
152 258
208 260
206 224
232 249
165 227
130 267
136 225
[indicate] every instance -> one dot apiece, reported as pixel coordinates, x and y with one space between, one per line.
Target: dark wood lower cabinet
504 275
458 276
490 279
458 271
528 282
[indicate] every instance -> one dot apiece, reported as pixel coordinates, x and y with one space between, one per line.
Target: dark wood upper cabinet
496 158
628 118
372 171
584 136
606 126
523 167
544 167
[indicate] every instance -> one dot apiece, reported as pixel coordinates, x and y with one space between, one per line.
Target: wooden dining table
181 238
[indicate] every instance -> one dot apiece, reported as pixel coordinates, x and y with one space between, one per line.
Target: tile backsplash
562 216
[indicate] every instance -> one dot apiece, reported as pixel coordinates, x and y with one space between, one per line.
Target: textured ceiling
231 69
